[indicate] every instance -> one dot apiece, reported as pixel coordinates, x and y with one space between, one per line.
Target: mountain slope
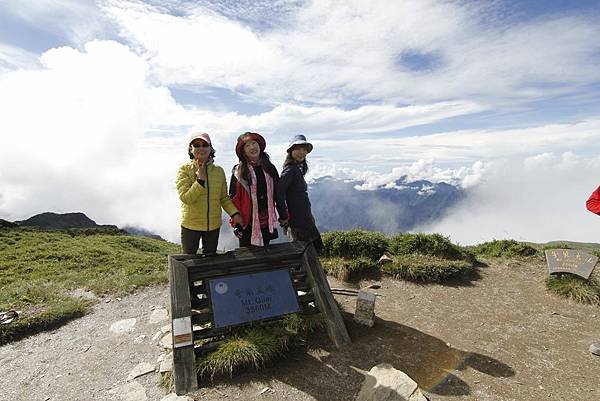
338 205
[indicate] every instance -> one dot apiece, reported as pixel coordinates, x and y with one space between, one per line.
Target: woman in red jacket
252 190
593 203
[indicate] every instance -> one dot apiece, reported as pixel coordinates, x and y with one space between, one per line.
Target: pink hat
200 135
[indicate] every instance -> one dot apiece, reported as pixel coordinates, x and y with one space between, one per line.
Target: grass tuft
255 346
428 244
557 245
41 267
348 269
504 249
426 269
575 288
43 318
354 244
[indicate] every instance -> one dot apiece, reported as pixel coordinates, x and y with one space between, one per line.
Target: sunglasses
200 145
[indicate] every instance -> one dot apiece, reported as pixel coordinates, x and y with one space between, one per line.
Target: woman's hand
201 170
237 219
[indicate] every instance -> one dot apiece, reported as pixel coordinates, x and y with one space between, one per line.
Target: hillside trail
498 336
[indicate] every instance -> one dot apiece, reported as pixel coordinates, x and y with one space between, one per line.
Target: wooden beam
184 362
324 299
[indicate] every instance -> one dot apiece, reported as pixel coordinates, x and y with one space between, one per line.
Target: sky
502 98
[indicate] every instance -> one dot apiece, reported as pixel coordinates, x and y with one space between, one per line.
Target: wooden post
184 365
324 299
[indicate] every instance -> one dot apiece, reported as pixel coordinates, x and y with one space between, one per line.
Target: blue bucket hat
299 140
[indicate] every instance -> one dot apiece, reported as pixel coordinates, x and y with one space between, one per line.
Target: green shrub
347 269
504 249
427 244
55 315
427 269
355 243
557 245
574 287
255 346
42 267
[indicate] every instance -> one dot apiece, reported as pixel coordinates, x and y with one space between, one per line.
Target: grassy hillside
40 269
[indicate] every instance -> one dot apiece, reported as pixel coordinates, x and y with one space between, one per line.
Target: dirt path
84 360
498 337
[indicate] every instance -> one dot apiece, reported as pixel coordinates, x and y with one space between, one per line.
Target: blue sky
472 93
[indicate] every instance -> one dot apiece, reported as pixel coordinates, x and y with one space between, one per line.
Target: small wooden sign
182 332
248 297
572 261
365 308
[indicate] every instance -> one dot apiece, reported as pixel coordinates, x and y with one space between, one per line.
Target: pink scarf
256 238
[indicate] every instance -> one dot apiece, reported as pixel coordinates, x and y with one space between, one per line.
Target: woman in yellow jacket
203 192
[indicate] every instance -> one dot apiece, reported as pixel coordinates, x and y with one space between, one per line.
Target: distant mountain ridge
59 221
338 205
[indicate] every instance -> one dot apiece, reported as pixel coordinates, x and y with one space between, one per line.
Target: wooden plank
184 363
244 256
324 299
201 318
196 274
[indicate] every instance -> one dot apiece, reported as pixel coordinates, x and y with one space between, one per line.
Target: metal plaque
572 261
249 297
182 332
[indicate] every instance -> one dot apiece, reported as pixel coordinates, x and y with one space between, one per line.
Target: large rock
132 391
166 365
158 315
140 370
175 397
384 383
167 341
123 326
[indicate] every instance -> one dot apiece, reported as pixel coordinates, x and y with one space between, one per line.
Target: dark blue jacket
292 191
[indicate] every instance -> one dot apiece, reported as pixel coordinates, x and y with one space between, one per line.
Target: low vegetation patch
39 269
256 346
428 244
426 269
504 249
348 269
557 245
354 244
574 287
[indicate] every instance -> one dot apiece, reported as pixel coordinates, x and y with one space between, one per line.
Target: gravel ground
500 336
84 360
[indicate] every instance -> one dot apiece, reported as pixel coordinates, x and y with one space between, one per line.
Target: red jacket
242 201
593 203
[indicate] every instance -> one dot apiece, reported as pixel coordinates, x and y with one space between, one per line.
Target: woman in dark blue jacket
292 192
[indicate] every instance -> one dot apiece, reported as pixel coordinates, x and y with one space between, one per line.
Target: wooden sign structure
211 295
572 261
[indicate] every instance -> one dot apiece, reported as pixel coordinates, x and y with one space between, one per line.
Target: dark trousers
190 241
308 233
247 236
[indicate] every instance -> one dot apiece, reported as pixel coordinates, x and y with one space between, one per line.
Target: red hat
249 136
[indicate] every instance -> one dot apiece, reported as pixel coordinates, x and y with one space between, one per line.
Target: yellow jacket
201 205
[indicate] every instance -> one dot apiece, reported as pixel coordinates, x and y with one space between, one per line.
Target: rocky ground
499 336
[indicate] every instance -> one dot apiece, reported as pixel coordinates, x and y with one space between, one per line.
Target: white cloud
14 58
332 52
75 21
540 198
72 134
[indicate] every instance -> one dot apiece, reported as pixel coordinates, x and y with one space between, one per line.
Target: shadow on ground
329 374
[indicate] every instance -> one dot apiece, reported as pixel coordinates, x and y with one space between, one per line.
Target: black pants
247 236
190 241
308 233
